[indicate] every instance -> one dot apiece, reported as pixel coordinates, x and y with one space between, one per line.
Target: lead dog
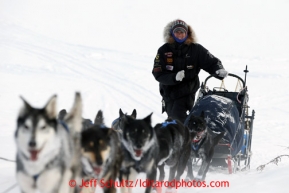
140 147
48 152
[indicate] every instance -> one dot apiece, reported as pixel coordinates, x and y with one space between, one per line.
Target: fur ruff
168 38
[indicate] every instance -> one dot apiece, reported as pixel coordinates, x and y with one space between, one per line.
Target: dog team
57 152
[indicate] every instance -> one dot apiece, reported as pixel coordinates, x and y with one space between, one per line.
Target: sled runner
228 111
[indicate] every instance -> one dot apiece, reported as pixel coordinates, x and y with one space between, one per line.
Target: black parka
173 57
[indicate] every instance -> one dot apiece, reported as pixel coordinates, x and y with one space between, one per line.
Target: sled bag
222 115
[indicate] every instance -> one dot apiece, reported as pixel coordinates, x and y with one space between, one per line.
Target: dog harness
165 124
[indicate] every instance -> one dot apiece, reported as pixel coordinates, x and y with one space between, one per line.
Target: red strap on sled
230 164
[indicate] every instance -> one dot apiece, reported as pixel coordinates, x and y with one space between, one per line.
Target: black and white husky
175 148
140 147
48 151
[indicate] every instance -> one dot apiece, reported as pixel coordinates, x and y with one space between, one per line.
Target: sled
233 118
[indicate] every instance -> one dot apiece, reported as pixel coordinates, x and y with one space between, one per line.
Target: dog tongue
33 155
138 152
196 139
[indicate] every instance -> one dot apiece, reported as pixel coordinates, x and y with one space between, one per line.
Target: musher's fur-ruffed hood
168 38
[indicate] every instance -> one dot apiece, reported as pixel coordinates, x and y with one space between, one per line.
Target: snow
105 50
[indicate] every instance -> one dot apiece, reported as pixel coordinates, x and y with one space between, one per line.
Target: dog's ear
148 119
133 114
120 113
27 107
51 107
98 118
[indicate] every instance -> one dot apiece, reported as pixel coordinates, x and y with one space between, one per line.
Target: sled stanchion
230 164
246 71
250 139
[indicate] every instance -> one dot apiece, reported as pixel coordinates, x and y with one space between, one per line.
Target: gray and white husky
48 150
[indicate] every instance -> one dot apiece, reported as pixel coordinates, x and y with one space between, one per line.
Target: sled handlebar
233 75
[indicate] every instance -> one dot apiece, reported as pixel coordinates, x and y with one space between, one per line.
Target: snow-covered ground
105 50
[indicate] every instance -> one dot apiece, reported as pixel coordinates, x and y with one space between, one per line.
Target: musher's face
180 34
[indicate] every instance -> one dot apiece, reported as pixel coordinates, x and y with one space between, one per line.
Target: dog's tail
73 119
